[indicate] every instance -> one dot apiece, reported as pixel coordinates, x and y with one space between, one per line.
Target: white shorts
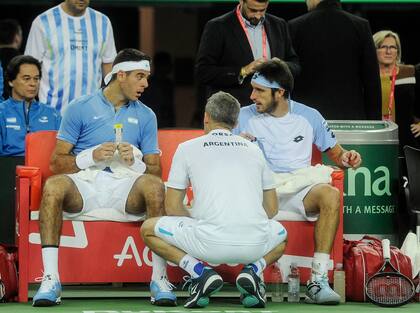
294 203
179 231
104 199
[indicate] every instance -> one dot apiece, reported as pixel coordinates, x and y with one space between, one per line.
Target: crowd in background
344 63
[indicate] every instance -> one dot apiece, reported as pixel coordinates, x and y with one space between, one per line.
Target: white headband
261 80
127 66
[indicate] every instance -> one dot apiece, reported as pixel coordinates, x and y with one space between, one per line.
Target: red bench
104 251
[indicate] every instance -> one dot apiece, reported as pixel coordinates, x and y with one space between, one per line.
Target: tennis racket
388 287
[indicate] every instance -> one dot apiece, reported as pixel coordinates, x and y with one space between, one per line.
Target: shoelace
312 285
165 284
187 282
47 282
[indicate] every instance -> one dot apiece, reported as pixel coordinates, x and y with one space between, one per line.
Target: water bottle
277 286
340 282
293 284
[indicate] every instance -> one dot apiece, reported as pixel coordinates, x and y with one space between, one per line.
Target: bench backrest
169 139
40 146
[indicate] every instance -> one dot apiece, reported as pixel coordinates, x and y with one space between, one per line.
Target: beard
271 107
253 20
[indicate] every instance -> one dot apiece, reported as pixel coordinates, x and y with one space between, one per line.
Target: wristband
138 166
85 159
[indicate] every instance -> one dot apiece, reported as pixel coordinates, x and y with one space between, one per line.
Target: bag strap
371 238
348 244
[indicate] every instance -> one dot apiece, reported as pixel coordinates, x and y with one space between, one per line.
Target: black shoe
252 288
202 287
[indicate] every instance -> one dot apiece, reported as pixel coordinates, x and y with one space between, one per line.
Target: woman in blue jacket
22 113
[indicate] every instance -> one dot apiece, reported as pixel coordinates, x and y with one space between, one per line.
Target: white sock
50 260
259 266
319 265
158 266
191 265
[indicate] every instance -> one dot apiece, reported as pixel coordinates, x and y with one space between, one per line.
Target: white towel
119 169
411 248
293 182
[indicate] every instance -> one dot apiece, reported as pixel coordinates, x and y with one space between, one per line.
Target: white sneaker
49 293
320 292
161 292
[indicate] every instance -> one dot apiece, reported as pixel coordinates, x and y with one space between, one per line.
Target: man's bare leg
147 196
59 193
325 200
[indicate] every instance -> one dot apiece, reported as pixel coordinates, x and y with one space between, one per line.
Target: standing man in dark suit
340 70
233 44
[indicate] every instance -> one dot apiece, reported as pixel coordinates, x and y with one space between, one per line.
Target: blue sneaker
49 293
252 288
202 287
161 292
320 292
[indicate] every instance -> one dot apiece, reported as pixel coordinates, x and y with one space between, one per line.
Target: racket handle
385 249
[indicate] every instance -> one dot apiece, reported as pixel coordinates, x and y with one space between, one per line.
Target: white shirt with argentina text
228 175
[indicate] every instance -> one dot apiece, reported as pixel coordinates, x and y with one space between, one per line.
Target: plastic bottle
340 282
293 284
277 286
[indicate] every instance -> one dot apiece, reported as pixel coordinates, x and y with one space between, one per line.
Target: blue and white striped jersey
72 50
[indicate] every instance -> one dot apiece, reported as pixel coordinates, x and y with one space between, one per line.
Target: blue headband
262 81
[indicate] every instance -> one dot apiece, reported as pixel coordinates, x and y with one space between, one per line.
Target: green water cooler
371 191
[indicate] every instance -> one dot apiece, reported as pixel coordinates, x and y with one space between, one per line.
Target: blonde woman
400 92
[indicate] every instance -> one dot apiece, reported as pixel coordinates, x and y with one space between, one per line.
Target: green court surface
217 305
134 298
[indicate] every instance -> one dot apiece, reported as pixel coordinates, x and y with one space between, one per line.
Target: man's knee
56 186
151 187
329 198
148 227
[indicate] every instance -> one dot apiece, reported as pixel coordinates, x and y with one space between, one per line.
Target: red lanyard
391 103
264 35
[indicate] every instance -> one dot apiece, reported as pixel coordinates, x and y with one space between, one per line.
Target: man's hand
415 129
248 136
104 152
250 68
351 159
126 153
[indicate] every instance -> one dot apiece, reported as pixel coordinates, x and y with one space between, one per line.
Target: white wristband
138 166
85 159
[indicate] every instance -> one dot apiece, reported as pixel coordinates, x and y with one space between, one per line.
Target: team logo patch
15 127
133 120
298 138
43 119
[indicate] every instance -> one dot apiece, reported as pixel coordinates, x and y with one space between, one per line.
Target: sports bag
362 259
8 274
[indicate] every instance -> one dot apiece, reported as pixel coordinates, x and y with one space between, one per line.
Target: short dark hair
9 28
13 67
278 71
129 54
223 108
